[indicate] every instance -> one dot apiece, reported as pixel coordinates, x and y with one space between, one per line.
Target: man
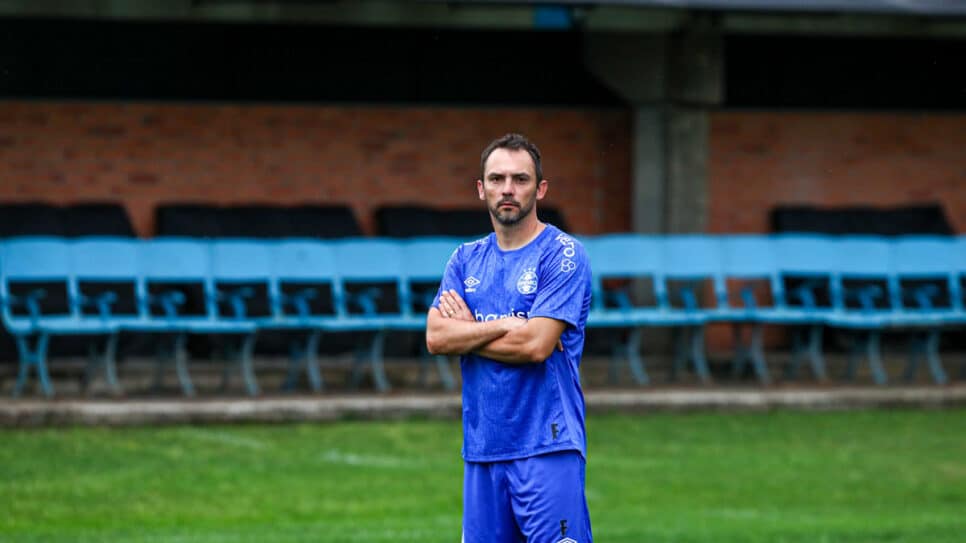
514 306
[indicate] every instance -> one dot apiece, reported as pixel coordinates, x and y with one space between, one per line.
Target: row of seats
904 220
174 287
249 221
41 219
864 284
179 286
334 221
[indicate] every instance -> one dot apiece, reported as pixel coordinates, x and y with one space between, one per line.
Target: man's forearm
515 347
453 336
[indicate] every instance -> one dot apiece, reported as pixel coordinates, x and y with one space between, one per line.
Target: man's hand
452 306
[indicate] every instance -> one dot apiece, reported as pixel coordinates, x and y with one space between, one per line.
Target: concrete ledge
767 399
131 412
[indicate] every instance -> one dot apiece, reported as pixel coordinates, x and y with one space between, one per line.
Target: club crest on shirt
527 283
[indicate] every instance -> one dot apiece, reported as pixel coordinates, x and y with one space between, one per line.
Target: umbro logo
471 283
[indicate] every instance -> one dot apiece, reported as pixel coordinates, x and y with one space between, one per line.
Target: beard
509 217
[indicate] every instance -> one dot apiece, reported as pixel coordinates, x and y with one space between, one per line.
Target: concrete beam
843 25
632 65
696 67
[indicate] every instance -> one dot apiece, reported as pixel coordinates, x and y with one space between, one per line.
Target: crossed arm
451 329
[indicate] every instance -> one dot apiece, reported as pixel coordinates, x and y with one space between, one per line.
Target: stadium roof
932 8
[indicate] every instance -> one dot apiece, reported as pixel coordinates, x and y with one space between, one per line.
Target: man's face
510 186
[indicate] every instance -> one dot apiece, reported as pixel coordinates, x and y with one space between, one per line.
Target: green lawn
882 476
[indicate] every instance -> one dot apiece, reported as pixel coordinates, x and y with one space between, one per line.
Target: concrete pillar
670 80
687 171
648 185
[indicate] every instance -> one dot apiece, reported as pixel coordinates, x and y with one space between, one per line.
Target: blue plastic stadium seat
860 298
33 261
618 262
922 287
373 297
424 261
750 262
181 297
305 292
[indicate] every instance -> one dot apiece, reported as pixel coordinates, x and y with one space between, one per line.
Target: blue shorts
535 500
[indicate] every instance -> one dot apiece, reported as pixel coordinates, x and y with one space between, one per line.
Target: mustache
508 201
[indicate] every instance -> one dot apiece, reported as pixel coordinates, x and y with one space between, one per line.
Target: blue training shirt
513 411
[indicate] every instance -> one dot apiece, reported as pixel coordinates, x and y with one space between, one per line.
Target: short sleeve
563 284
452 277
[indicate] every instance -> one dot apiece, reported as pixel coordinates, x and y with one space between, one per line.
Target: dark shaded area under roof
892 7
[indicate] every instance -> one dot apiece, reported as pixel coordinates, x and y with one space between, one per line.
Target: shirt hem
524 454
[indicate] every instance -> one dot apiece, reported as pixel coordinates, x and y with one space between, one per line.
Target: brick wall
143 154
759 160
762 159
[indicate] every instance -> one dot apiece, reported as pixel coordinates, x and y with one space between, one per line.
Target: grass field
882 476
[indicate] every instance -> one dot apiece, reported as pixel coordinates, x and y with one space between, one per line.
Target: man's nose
507 187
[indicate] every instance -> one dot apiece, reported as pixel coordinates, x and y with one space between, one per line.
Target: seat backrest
243 262
174 259
304 260
926 219
36 259
108 263
751 257
804 254
959 287
859 259
30 219
467 223
323 221
424 263
626 256
297 263
804 265
691 259
692 256
371 261
922 258
424 259
105 258
97 219
255 221
407 221
39 262
194 220
748 256
180 261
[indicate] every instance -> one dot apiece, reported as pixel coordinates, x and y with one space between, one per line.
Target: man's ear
479 189
542 187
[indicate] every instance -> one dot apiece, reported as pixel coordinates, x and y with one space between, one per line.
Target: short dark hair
513 142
